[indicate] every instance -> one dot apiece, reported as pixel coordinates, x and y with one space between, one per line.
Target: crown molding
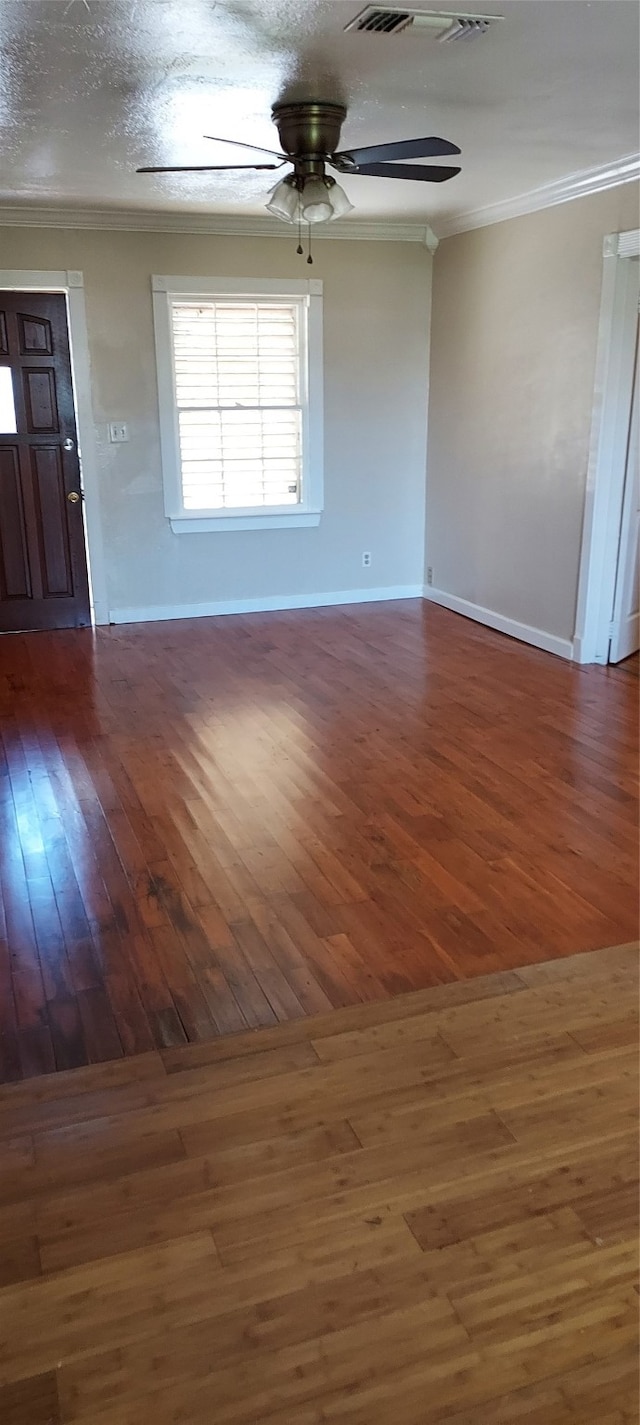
575 185
563 190
137 220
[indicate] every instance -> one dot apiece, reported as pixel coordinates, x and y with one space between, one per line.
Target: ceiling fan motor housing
308 133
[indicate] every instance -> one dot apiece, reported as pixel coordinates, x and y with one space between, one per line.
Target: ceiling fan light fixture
284 200
340 204
315 201
309 200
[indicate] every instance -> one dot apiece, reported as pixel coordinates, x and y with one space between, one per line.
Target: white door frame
607 447
625 633
72 285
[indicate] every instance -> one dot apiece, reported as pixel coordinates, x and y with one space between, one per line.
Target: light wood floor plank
395 1214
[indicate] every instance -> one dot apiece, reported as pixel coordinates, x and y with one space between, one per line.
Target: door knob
73 497
68 444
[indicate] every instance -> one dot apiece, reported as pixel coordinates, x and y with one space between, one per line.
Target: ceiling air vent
375 19
464 28
381 22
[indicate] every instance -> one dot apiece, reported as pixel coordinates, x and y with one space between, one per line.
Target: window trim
307 513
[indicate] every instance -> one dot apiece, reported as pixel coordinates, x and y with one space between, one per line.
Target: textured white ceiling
91 89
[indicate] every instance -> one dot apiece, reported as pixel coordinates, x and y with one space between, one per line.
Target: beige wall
376 323
513 341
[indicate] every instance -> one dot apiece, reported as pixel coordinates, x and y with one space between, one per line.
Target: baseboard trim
159 612
583 652
563 647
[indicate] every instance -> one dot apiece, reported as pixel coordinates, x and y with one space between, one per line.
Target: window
240 387
7 404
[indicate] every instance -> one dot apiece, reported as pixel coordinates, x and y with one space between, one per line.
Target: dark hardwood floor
219 824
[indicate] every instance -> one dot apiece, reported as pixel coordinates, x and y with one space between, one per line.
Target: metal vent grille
462 28
380 22
375 19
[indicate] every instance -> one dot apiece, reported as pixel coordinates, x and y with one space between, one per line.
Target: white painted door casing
625 634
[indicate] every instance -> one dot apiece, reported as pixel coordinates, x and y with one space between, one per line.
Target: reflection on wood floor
220 824
418 1211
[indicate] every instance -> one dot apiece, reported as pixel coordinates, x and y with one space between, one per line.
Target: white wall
376 332
514 332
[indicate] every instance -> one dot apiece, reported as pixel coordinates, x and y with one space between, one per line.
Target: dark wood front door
43 562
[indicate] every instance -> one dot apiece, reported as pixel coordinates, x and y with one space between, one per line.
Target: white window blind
237 372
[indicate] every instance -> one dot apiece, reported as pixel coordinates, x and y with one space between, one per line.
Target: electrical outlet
118 432
366 559
429 575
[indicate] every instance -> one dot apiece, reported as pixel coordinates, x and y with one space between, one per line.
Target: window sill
184 524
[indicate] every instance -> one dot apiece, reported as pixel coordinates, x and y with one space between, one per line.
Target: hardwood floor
221 824
402 1213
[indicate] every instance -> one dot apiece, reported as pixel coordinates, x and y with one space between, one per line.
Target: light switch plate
118 431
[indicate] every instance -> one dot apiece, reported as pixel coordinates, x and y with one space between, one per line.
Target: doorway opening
624 634
608 616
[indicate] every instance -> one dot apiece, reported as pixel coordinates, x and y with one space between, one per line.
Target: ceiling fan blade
213 168
237 144
407 148
415 171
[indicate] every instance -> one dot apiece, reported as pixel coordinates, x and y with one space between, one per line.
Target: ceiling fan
309 133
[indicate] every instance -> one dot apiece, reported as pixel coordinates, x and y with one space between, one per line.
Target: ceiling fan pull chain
309 259
299 247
